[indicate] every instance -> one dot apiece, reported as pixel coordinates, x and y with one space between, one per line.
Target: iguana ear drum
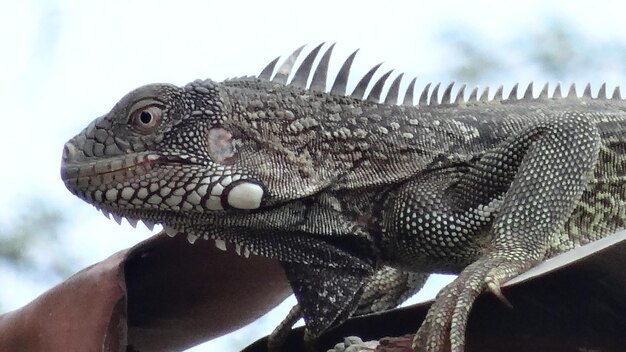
242 195
220 145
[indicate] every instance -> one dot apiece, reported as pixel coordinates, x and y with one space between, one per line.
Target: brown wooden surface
571 303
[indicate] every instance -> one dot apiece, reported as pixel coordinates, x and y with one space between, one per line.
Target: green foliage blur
553 50
31 245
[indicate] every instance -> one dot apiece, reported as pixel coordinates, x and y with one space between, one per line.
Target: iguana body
359 199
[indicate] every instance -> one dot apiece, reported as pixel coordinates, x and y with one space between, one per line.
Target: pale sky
66 62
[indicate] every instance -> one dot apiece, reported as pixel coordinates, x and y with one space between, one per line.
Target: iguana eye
147 118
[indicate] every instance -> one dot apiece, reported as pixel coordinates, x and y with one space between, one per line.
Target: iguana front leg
387 289
500 213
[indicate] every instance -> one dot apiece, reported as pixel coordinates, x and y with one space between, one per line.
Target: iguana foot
355 344
445 324
277 338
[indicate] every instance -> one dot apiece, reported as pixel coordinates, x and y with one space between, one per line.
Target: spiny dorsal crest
427 97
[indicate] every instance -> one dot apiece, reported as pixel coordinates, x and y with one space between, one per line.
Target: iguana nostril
69 152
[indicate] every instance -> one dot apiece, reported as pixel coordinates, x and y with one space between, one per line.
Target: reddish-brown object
161 295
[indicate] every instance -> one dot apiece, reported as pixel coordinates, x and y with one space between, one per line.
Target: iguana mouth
93 173
76 168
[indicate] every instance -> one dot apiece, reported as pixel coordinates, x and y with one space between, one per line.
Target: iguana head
209 150
163 149
166 152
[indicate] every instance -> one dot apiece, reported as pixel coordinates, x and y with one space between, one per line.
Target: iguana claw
446 322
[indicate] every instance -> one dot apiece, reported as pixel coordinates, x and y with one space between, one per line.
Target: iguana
360 199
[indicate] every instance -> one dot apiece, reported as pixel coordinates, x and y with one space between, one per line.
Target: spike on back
341 81
320 73
617 95
571 93
602 91
359 90
587 91
394 91
513 93
318 82
377 89
544 91
266 74
473 97
557 91
424 96
301 76
447 93
460 95
285 69
498 95
484 96
409 95
434 97
528 94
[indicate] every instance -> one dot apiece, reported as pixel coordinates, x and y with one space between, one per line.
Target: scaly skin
360 200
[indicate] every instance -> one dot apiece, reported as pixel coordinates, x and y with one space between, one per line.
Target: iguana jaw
149 181
111 184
